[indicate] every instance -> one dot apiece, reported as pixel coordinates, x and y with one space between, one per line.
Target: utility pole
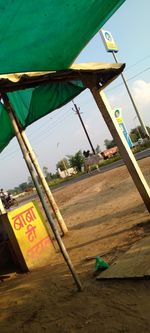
77 111
136 126
112 47
133 102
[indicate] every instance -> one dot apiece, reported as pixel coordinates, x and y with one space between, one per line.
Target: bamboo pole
121 142
46 188
39 191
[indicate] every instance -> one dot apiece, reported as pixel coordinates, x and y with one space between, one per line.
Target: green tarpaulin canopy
48 34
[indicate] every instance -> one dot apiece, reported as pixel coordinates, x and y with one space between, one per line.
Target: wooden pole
46 188
39 191
121 142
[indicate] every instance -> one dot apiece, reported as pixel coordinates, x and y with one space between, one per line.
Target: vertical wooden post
124 149
42 199
46 188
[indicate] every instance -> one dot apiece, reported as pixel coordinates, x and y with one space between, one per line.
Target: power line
136 63
12 153
50 124
52 130
129 79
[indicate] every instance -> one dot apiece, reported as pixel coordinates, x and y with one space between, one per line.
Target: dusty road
104 214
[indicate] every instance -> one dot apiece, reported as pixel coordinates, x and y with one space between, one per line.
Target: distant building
66 173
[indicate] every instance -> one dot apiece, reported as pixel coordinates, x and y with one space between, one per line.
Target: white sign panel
108 41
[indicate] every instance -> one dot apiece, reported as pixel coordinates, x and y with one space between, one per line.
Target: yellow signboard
108 41
32 235
118 115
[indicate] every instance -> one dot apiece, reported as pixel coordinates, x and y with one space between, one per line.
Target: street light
63 161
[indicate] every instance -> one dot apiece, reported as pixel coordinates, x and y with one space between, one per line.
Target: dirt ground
105 216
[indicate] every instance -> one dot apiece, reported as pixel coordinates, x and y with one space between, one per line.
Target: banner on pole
108 41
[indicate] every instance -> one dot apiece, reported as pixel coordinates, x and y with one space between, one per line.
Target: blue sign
126 135
118 116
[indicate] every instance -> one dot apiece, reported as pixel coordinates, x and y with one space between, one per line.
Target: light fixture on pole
63 161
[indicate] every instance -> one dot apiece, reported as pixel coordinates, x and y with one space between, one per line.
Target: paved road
138 156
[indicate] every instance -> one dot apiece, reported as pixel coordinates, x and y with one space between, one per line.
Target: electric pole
77 111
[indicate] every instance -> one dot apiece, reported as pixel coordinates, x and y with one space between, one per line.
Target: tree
47 174
23 186
76 160
16 190
45 171
109 143
97 149
137 133
30 181
54 175
63 164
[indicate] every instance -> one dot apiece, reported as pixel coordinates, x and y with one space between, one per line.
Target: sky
60 133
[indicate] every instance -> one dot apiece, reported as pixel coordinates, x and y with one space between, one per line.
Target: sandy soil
105 216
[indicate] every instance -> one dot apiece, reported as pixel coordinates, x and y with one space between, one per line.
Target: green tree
47 174
63 164
109 143
23 186
76 160
137 133
54 175
45 171
15 191
30 181
97 149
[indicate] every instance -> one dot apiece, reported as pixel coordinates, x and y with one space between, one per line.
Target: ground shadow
145 225
107 217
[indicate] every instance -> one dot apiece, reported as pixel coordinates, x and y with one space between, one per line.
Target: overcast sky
129 26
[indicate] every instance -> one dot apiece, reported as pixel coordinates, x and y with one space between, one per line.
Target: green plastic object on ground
100 264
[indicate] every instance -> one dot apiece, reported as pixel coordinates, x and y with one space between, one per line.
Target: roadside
110 164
